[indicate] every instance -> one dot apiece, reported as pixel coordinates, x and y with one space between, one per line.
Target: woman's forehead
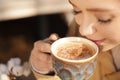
93 1
105 4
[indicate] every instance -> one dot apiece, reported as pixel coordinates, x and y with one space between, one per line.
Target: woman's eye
104 20
76 12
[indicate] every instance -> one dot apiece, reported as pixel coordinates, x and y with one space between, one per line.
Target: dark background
17 36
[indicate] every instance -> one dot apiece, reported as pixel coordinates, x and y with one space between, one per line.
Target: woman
99 22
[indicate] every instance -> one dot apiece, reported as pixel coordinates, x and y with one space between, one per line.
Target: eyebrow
94 9
72 3
98 10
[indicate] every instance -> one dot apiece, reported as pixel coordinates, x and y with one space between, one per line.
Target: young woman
99 21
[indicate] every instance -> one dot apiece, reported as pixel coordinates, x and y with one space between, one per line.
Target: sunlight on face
99 21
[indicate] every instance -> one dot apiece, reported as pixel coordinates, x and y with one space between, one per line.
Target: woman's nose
87 27
87 30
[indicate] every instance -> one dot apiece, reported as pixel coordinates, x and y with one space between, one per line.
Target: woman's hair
73 29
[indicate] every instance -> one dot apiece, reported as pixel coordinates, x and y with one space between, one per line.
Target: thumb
54 37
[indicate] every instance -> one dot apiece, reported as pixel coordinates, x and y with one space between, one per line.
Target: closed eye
76 12
104 21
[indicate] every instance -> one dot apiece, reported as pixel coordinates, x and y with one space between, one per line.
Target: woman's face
99 21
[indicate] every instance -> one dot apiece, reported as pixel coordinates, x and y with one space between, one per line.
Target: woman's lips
98 42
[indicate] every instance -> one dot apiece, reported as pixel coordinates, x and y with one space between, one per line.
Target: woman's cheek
77 20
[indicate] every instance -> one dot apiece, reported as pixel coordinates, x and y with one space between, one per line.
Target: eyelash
104 21
76 12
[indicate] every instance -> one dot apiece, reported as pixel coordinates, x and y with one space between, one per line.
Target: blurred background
22 22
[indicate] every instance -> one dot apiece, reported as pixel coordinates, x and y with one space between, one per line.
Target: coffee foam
78 39
75 50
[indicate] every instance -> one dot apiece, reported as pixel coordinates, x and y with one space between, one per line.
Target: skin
40 55
99 21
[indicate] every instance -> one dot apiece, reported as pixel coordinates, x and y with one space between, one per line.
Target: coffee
74 50
71 57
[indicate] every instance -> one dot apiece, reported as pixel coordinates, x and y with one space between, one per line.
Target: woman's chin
107 47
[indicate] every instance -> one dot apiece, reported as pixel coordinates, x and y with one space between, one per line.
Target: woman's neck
116 56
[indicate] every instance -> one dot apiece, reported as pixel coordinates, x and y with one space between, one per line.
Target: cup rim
65 39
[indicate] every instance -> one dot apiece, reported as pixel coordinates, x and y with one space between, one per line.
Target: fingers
42 46
54 37
41 62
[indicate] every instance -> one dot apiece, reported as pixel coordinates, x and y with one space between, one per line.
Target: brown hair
73 29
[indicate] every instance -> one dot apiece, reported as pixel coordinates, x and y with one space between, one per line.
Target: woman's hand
40 58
